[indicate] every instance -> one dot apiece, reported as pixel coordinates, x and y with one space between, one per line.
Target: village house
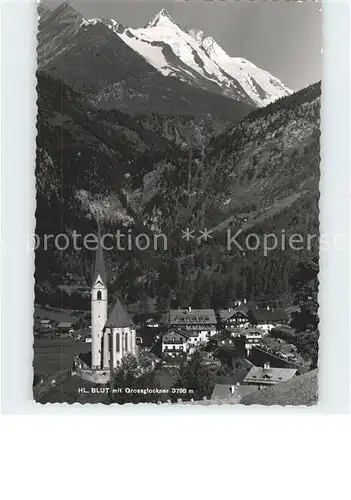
222 339
250 335
253 337
152 323
83 291
174 342
46 323
267 319
238 317
199 324
267 376
64 326
208 359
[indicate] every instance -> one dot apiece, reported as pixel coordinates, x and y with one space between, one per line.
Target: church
112 333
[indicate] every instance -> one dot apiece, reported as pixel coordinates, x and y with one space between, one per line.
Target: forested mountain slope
260 174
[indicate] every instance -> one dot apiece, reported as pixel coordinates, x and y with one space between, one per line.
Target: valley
144 148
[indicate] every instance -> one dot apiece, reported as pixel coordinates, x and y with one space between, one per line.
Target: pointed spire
119 317
99 265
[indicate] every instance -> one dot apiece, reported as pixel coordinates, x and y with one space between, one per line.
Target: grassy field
53 356
55 314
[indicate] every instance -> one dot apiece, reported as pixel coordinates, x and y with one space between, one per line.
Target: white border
18 100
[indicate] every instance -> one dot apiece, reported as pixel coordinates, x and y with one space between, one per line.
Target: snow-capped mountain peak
260 85
197 59
114 25
162 19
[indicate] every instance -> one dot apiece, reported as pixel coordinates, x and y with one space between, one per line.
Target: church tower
98 305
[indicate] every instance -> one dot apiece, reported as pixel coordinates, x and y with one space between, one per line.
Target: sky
284 38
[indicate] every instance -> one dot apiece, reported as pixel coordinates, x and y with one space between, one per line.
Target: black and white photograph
177 203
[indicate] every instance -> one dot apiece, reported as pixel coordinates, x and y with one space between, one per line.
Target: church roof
99 264
119 317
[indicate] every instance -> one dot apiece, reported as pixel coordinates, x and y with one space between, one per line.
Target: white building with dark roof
199 324
174 342
238 317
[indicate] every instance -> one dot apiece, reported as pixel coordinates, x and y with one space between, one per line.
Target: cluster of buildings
180 332
49 329
256 382
258 378
184 330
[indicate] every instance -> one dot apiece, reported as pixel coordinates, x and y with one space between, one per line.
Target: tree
196 377
203 295
164 298
134 379
305 320
304 285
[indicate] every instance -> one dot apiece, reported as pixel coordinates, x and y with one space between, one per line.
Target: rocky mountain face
94 59
143 151
258 176
196 59
199 60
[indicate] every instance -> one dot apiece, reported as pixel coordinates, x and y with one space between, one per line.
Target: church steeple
99 269
98 303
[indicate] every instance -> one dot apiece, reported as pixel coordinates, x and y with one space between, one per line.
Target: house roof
99 264
222 391
273 315
271 375
176 330
64 324
221 336
119 317
194 316
302 390
250 329
225 314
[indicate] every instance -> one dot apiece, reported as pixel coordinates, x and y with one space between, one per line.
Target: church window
117 342
99 295
126 342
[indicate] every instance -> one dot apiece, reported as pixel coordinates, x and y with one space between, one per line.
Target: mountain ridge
94 60
168 49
